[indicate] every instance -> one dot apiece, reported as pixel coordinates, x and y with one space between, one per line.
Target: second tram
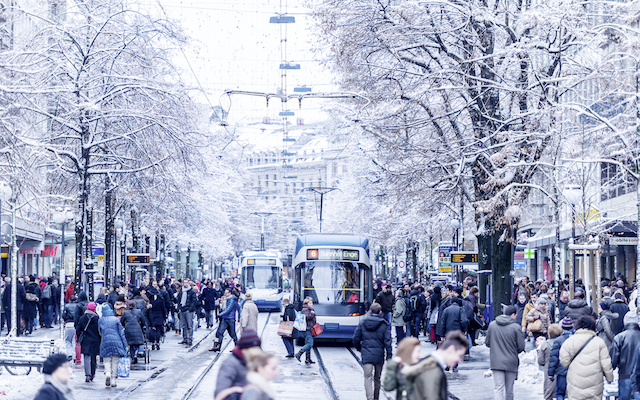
261 275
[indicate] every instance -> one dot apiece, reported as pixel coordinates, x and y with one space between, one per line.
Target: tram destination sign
466 257
261 262
138 259
333 254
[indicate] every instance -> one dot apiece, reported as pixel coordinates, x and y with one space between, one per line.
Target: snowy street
179 372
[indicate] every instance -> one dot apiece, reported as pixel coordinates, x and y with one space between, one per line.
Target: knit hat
91 306
459 290
106 307
542 300
510 310
53 362
247 296
604 305
630 318
567 323
248 339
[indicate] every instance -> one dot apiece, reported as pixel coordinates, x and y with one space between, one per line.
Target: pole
63 280
557 256
14 271
262 235
321 202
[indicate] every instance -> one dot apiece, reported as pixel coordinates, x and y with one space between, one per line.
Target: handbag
124 367
316 330
32 297
285 328
535 326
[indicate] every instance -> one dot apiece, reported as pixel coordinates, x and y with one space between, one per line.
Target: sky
235 47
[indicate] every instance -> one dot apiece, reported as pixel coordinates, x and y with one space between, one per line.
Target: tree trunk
495 255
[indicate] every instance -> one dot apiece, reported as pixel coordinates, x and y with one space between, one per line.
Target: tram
261 275
335 271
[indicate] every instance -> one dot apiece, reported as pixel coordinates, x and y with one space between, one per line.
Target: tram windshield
333 282
262 277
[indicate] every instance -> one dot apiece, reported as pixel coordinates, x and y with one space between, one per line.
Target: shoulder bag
316 330
81 337
581 348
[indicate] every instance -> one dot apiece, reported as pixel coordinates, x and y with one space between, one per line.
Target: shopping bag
301 322
124 367
316 330
285 328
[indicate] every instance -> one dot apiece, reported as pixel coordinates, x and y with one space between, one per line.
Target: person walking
187 306
587 360
234 373
429 380
32 296
544 354
249 314
289 315
89 339
385 299
209 299
578 307
156 315
6 303
418 307
134 323
538 320
310 317
48 301
228 320
373 339
556 370
408 353
605 323
505 341
397 319
621 308
263 369
623 349
57 373
113 344
454 318
68 316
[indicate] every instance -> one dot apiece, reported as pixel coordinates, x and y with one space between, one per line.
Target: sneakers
108 381
290 355
87 378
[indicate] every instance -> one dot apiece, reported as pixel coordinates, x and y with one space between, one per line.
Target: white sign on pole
401 265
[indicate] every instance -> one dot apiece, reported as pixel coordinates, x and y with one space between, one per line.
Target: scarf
185 291
61 387
258 381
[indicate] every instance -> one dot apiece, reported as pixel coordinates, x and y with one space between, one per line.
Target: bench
18 355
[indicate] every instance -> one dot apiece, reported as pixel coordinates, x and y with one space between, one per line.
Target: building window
615 182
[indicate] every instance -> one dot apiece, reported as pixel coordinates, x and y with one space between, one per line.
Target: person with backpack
418 307
47 303
398 318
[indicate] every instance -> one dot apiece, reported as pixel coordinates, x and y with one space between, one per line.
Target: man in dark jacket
113 296
82 307
623 350
578 307
57 373
557 370
505 342
564 302
418 307
6 303
209 296
446 302
373 339
621 308
187 306
385 299
454 318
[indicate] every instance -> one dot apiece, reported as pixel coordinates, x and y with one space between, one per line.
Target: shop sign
623 241
50 251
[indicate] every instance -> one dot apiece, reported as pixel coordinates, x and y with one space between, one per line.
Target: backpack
46 292
408 313
415 302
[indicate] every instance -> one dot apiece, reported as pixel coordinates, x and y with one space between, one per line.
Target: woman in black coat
89 339
156 315
30 307
134 323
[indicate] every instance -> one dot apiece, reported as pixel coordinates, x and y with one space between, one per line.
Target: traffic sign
401 265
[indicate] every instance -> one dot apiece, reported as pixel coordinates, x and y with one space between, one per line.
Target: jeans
636 396
48 316
308 342
70 340
561 387
228 325
288 343
387 316
28 325
186 324
503 384
399 333
624 389
372 374
91 363
417 324
209 317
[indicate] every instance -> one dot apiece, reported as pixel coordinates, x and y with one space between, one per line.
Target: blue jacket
373 338
114 343
232 307
555 368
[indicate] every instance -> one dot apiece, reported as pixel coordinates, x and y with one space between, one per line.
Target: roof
337 239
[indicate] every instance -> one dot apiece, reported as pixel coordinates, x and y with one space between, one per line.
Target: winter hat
567 323
459 290
630 318
510 310
542 300
248 339
604 305
247 296
106 307
53 362
91 306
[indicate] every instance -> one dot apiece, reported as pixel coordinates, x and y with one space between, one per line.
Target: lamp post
455 224
573 194
62 217
119 224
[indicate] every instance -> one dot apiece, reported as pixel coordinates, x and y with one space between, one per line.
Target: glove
552 378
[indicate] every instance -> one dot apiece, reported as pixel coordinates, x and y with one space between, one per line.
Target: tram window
262 277
333 282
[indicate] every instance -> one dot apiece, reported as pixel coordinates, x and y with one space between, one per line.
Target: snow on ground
20 387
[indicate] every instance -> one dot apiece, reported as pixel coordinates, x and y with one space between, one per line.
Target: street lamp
62 217
573 194
455 224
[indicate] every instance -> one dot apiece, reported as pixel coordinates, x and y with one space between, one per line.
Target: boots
308 360
87 378
299 355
